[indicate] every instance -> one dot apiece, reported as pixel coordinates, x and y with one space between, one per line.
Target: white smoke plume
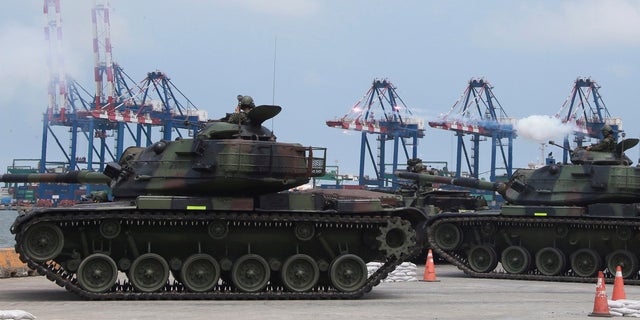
542 128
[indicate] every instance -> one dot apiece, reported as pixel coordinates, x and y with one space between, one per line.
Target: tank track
475 220
174 290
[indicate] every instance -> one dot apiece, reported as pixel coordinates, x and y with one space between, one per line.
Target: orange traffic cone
600 304
618 286
429 269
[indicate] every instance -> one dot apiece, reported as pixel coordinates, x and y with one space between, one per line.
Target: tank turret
589 182
217 212
224 159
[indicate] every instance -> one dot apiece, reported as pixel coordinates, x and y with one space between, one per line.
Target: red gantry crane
392 123
588 117
119 109
478 113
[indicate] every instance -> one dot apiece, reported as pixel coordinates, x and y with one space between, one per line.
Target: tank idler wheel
448 236
626 260
516 259
110 229
586 262
300 273
250 273
348 273
397 238
43 241
551 261
200 272
149 272
483 258
97 273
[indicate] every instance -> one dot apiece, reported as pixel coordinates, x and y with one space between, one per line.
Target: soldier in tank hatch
245 104
608 142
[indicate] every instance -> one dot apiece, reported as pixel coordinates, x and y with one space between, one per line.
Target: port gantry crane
120 108
586 111
479 114
392 123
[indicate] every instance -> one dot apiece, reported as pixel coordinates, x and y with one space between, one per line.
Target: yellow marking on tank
540 214
196 207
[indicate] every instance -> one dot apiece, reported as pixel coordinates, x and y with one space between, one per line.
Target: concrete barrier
11 266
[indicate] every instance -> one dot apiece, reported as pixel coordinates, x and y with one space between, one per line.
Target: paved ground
455 296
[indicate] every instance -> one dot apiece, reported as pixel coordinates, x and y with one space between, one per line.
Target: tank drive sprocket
397 238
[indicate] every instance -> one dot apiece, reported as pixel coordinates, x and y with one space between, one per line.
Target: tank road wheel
625 259
448 236
483 258
516 259
200 272
586 262
250 273
551 261
43 241
97 273
149 272
397 238
348 273
300 273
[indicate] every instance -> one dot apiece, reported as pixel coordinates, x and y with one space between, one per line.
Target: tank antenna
275 53
273 90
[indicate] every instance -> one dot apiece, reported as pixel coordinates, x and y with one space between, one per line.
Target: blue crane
120 108
479 114
392 123
585 109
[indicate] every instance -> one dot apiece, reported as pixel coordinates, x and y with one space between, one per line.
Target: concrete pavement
455 296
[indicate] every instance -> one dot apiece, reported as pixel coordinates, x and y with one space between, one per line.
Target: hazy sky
328 53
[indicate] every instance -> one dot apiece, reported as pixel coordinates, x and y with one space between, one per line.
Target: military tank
560 222
435 200
211 217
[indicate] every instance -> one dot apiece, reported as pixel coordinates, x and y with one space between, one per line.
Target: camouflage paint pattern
215 211
557 185
561 222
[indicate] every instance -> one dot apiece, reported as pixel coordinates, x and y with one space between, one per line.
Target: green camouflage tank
561 222
214 217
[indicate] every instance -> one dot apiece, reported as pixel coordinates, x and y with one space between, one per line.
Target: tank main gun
462 182
84 177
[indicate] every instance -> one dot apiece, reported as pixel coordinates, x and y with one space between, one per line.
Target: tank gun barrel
551 142
462 182
86 177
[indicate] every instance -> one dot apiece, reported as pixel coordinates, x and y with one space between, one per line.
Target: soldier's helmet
245 103
606 129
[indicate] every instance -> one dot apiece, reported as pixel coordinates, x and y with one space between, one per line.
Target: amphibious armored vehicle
212 218
561 222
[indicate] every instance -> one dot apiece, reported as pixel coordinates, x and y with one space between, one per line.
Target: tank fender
418 220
